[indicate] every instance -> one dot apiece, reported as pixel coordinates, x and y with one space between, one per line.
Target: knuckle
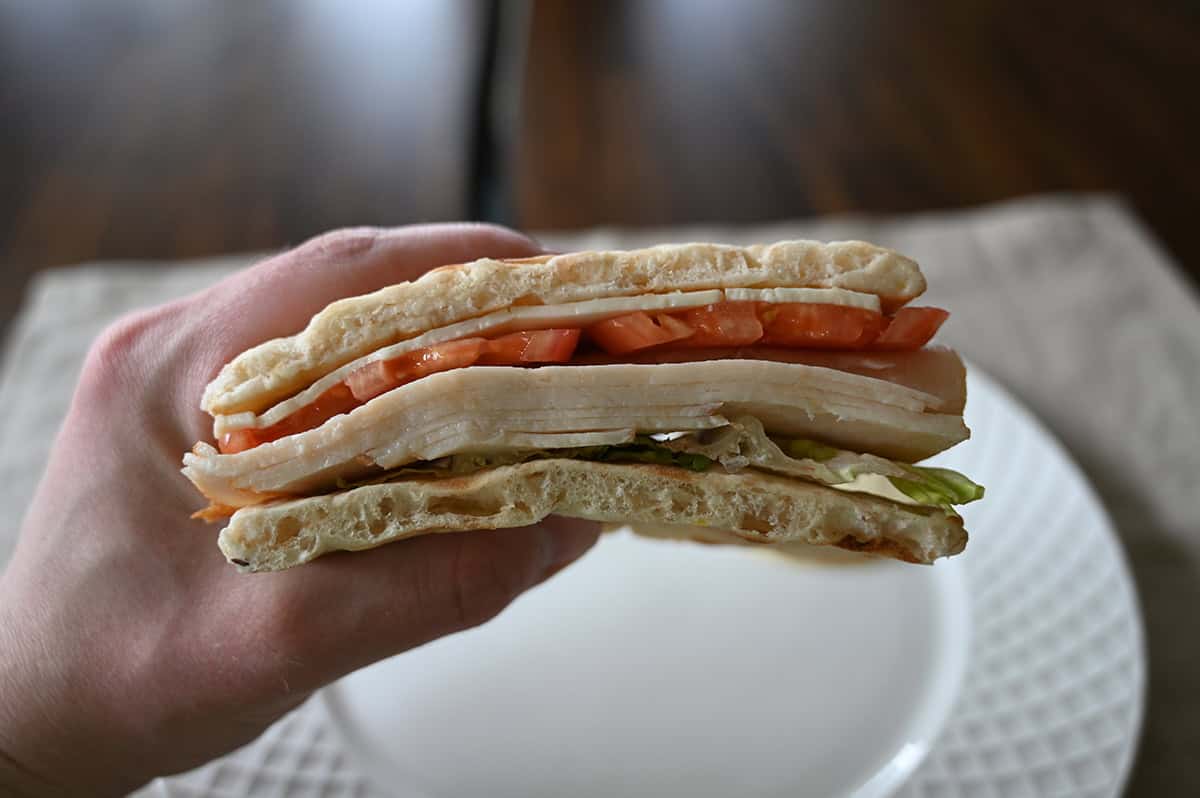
492 229
489 235
125 351
120 338
115 351
342 243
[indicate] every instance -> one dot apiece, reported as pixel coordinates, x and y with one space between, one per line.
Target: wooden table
135 128
143 129
665 112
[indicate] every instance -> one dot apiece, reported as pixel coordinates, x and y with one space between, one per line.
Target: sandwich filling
753 392
755 322
798 382
742 444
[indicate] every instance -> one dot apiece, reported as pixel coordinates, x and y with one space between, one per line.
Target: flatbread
753 506
351 328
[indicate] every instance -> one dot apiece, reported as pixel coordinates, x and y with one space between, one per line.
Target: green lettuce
810 450
936 486
646 453
925 485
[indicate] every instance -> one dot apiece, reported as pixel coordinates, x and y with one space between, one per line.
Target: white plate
663 668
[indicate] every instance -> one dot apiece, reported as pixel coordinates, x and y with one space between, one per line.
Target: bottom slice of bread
753 506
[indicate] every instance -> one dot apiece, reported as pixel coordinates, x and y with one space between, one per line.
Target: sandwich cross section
767 394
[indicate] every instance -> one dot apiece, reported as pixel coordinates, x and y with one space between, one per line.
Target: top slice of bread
353 327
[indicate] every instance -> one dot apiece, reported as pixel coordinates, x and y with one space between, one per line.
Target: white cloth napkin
1065 299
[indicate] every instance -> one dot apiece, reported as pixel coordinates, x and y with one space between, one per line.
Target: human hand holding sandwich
770 394
129 647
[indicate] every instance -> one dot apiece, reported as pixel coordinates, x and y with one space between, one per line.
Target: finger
278 296
361 607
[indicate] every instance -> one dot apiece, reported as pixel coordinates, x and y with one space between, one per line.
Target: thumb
407 593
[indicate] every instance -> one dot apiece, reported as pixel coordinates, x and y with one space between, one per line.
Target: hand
129 648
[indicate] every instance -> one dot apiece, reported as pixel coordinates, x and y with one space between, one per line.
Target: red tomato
911 328
381 376
239 441
724 324
439 357
634 331
816 326
337 400
551 346
532 346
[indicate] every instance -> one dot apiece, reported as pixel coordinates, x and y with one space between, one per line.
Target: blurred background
163 130
177 128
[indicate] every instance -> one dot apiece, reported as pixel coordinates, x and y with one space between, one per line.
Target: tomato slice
635 331
817 326
911 328
439 357
337 400
531 346
239 441
724 324
381 376
551 346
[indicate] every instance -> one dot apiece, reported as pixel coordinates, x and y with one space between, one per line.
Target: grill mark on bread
881 548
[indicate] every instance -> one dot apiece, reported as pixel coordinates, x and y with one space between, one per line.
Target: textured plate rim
1117 550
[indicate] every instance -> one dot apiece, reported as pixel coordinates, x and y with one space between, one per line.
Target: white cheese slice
223 424
816 296
876 485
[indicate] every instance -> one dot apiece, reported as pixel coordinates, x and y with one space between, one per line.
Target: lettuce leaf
810 450
937 486
925 485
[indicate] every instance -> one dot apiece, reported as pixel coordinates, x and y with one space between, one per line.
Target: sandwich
767 394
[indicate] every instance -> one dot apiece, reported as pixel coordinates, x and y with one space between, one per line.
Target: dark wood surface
134 128
143 129
666 112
